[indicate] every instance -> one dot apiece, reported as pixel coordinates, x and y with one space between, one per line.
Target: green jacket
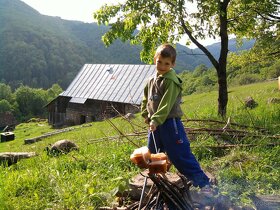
162 98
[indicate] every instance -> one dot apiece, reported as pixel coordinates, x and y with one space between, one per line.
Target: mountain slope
39 50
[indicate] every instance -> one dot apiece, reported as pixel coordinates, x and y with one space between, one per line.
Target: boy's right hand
153 126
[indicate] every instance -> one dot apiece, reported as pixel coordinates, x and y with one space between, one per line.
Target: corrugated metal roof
116 83
78 100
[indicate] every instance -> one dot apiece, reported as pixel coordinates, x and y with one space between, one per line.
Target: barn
100 91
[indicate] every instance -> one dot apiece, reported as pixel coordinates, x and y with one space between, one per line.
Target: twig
223 122
120 132
236 145
129 121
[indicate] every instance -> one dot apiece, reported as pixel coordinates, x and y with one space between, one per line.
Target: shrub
246 79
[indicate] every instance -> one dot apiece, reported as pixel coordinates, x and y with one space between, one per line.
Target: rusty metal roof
115 83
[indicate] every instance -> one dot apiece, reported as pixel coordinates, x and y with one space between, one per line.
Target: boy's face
163 65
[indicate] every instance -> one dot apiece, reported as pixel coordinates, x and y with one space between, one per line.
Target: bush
246 79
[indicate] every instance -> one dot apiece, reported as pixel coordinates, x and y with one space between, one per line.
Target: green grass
90 177
25 131
264 115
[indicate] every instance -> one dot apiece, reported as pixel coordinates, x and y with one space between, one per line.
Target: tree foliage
30 101
242 70
26 102
154 22
5 92
5 106
54 91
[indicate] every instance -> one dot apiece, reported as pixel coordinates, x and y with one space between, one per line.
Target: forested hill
38 50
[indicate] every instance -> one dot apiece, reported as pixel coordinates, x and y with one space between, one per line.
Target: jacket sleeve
171 93
144 111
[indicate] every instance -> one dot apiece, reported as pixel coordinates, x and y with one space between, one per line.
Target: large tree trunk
223 94
222 67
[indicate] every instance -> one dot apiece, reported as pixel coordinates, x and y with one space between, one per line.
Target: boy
161 110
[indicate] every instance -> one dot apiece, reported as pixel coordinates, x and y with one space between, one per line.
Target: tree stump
250 103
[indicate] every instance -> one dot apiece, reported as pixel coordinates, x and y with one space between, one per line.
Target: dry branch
233 133
229 132
171 192
226 146
120 132
223 122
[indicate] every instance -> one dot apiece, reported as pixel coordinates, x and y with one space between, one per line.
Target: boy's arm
144 111
172 90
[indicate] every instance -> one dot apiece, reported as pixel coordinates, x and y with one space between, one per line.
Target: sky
81 10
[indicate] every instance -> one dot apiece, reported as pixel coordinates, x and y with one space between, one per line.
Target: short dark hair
166 51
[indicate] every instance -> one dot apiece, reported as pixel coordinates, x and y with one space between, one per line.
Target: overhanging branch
269 17
200 46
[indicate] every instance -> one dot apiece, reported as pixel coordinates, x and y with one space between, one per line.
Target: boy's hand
153 127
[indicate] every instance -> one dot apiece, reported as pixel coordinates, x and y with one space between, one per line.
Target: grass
91 177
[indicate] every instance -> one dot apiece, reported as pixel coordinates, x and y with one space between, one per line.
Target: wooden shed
7 120
100 91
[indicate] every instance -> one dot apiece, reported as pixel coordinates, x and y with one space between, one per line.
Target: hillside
38 50
91 177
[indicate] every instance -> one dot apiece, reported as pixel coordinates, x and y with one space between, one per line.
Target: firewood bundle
164 191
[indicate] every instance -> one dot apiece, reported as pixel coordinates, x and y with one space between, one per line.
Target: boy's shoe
207 190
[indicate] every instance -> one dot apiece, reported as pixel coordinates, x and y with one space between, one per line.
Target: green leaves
148 23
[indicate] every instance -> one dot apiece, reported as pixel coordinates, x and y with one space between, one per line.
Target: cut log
10 158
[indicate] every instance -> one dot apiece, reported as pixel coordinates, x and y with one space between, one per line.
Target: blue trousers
170 137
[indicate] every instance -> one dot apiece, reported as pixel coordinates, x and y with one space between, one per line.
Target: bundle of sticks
164 191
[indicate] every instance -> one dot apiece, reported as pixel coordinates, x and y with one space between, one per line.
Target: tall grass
91 177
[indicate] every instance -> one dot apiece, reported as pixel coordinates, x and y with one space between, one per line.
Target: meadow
91 177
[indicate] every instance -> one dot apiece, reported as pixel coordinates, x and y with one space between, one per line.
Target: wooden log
10 158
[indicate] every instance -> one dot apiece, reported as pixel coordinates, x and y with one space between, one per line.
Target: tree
54 91
30 101
154 22
5 106
5 92
268 41
199 70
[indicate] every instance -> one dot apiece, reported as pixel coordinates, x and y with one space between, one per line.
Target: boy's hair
166 51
